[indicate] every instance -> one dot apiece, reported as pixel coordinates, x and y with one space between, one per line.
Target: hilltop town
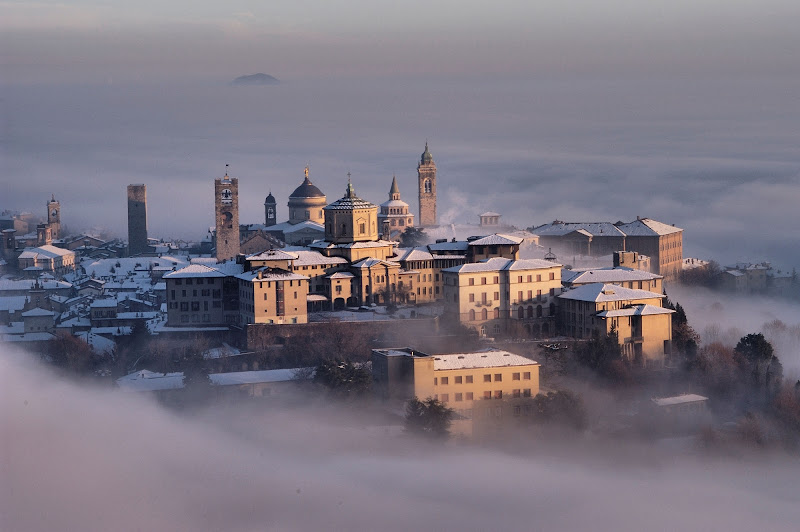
464 316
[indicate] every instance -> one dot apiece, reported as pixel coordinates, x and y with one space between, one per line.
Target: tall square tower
137 220
226 213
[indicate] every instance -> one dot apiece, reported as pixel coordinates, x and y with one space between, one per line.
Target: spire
394 192
226 173
351 191
426 155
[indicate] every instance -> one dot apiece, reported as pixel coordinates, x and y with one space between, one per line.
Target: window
519 295
435 381
178 281
498 377
516 393
498 394
515 376
472 314
362 228
188 281
483 280
459 397
519 278
526 392
445 381
552 276
445 397
469 379
200 281
497 313
497 296
458 379
487 377
517 411
496 279
469 396
538 278
552 292
487 394
530 278
184 306
526 376
472 282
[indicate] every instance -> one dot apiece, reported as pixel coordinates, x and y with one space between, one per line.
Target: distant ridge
256 79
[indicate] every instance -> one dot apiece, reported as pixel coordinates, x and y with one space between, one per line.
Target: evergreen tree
428 418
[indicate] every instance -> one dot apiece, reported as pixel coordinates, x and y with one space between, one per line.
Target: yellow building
643 326
270 295
625 277
48 258
483 388
489 296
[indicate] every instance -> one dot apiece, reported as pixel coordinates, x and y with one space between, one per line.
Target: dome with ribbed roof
307 190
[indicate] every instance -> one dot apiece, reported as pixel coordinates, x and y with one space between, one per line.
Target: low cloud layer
77 458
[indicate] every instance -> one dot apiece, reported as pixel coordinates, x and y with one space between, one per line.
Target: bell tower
426 172
54 217
270 217
226 211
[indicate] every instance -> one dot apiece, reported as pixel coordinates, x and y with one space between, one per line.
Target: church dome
426 155
307 190
270 199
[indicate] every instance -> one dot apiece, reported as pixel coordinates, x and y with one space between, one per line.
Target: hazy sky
683 111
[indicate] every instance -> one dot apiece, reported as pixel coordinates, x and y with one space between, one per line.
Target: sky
682 111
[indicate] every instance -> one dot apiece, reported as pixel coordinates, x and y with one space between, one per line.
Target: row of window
487 395
487 377
190 281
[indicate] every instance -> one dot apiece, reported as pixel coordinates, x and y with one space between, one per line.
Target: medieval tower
54 217
137 220
226 210
426 172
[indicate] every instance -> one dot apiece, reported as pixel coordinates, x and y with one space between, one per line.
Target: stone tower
54 217
226 209
137 220
269 210
426 171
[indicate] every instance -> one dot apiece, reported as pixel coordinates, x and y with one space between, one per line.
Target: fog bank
76 458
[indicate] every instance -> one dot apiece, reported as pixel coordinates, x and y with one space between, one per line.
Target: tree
602 354
70 353
343 379
562 407
413 237
685 339
760 359
429 418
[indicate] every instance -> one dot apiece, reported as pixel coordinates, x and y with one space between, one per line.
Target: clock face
226 195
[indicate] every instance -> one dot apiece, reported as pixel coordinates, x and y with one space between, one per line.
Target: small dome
270 199
307 190
426 155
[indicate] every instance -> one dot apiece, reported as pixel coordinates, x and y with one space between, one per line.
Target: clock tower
54 217
226 210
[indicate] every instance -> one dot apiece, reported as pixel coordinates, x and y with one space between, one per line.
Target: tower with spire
394 216
426 174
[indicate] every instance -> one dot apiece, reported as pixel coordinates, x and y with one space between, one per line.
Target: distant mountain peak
256 79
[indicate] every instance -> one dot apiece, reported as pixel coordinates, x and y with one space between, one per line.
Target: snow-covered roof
490 213
150 381
395 203
257 377
34 312
193 271
309 257
270 274
635 310
558 228
369 262
341 275
104 303
678 399
496 264
459 245
599 292
496 240
12 303
46 251
271 254
606 275
413 254
99 344
28 337
481 359
648 227
221 352
28 284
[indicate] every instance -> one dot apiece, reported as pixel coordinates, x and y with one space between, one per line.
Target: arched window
497 313
538 311
484 314
530 311
521 312
427 186
472 314
552 309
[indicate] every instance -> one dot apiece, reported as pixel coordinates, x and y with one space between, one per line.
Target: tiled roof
648 227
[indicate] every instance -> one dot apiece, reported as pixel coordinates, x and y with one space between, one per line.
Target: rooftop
599 292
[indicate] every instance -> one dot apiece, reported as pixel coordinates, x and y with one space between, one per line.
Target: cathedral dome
307 190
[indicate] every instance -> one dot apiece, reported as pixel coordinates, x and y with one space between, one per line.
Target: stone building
394 216
487 389
351 219
495 294
226 215
643 326
272 295
270 211
137 220
426 175
54 217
